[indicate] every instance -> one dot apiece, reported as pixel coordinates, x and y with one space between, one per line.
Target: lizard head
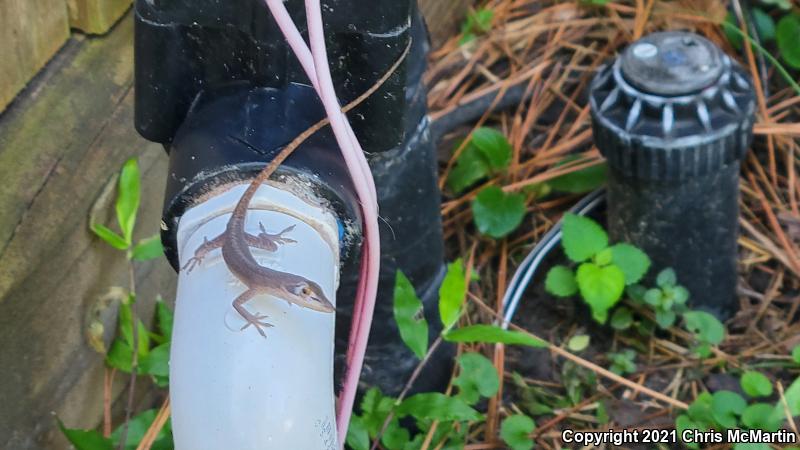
308 294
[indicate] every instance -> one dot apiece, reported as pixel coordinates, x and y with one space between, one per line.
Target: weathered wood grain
59 146
31 32
96 16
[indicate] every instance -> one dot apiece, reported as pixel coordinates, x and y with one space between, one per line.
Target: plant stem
134 360
782 70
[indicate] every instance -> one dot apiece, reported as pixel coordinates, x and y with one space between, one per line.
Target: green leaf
632 261
701 411
622 319
796 354
726 406
482 19
582 237
765 26
653 297
488 151
374 408
498 213
466 38
705 327
623 362
395 437
494 147
410 316
470 167
455 439
110 237
684 422
120 355
666 278
580 181
128 198
516 430
756 384
665 318
86 439
437 406
560 281
491 334
728 26
156 363
578 343
148 248
751 446
452 294
680 295
137 427
702 350
788 36
782 4
164 318
126 328
357 435
603 257
477 378
602 413
479 21
636 292
792 397
601 287
757 416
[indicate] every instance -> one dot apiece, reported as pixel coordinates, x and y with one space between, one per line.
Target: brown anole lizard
236 242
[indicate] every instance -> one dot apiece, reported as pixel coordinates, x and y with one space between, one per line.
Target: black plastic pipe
674 116
217 84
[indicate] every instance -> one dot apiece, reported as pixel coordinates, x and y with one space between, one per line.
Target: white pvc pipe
231 388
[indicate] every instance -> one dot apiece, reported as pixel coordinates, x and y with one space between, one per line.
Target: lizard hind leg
252 319
202 251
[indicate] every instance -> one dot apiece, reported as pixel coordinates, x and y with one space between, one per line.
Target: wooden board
96 16
60 143
31 32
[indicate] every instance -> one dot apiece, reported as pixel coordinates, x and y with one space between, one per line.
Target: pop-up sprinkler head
673 115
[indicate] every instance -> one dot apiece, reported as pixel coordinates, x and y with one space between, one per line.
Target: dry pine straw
553 49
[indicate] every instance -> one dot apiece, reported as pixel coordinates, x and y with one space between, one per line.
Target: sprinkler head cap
671 107
672 63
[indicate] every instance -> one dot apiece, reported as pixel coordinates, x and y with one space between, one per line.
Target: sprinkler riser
691 227
673 115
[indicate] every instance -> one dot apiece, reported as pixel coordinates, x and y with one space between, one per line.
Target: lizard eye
305 290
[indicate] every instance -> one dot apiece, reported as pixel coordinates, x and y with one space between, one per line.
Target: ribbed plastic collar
671 107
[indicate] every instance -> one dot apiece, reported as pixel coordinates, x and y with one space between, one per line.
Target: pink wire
365 188
303 53
315 64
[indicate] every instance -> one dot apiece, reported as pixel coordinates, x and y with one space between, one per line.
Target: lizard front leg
202 251
252 319
266 241
270 242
